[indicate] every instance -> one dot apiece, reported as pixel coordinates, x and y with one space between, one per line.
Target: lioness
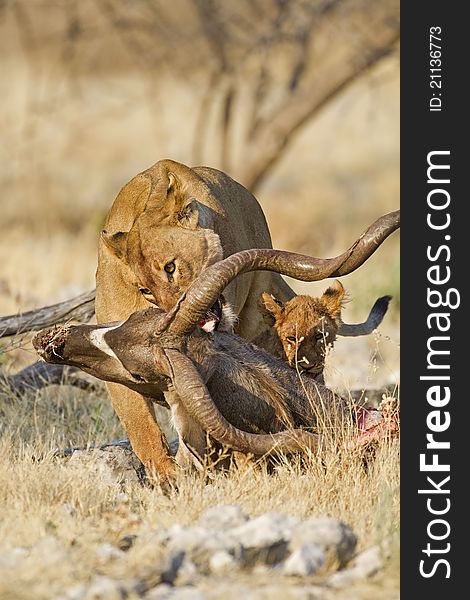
165 226
306 326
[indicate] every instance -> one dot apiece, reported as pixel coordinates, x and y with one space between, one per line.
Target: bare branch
41 374
227 118
81 308
331 77
214 29
203 117
258 95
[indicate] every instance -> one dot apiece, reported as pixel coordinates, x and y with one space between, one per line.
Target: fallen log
80 308
40 375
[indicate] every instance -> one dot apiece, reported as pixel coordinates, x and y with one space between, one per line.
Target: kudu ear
333 298
270 307
116 242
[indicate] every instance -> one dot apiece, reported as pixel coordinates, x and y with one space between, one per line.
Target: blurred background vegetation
296 99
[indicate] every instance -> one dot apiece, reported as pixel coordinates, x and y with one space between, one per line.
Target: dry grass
56 516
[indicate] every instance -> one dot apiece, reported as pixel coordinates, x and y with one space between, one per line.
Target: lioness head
165 260
305 325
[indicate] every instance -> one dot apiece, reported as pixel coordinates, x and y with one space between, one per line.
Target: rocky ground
219 556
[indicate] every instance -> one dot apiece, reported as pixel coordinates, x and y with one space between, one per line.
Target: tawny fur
151 352
305 327
254 391
189 218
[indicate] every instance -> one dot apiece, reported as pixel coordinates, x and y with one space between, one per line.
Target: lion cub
306 326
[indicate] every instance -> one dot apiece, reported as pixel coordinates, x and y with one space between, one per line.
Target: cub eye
145 291
319 335
291 339
170 267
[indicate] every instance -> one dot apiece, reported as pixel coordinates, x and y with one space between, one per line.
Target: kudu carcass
217 382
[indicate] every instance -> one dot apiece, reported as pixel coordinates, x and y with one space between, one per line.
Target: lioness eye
170 267
291 339
145 291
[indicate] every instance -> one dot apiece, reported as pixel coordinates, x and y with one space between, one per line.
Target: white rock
104 588
200 544
222 562
48 551
264 539
223 516
336 538
76 592
161 592
113 464
13 557
305 560
265 530
187 573
194 539
279 590
369 561
166 592
107 552
365 564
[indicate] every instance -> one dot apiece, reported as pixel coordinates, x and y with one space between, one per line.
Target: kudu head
147 352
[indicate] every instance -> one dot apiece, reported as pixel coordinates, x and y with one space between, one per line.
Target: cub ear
270 307
333 298
116 242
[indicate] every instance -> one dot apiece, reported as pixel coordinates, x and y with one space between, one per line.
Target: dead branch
64 452
80 308
124 443
203 117
375 37
40 375
283 60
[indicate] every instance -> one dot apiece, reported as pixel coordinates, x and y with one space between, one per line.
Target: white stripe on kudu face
97 339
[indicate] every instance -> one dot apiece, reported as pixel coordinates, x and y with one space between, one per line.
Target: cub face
305 326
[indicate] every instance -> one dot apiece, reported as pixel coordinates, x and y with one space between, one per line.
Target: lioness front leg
137 416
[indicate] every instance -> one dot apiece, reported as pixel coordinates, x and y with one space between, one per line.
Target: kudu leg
137 416
192 440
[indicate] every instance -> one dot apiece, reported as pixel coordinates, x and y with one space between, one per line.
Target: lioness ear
194 215
270 307
164 186
171 182
333 298
116 242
